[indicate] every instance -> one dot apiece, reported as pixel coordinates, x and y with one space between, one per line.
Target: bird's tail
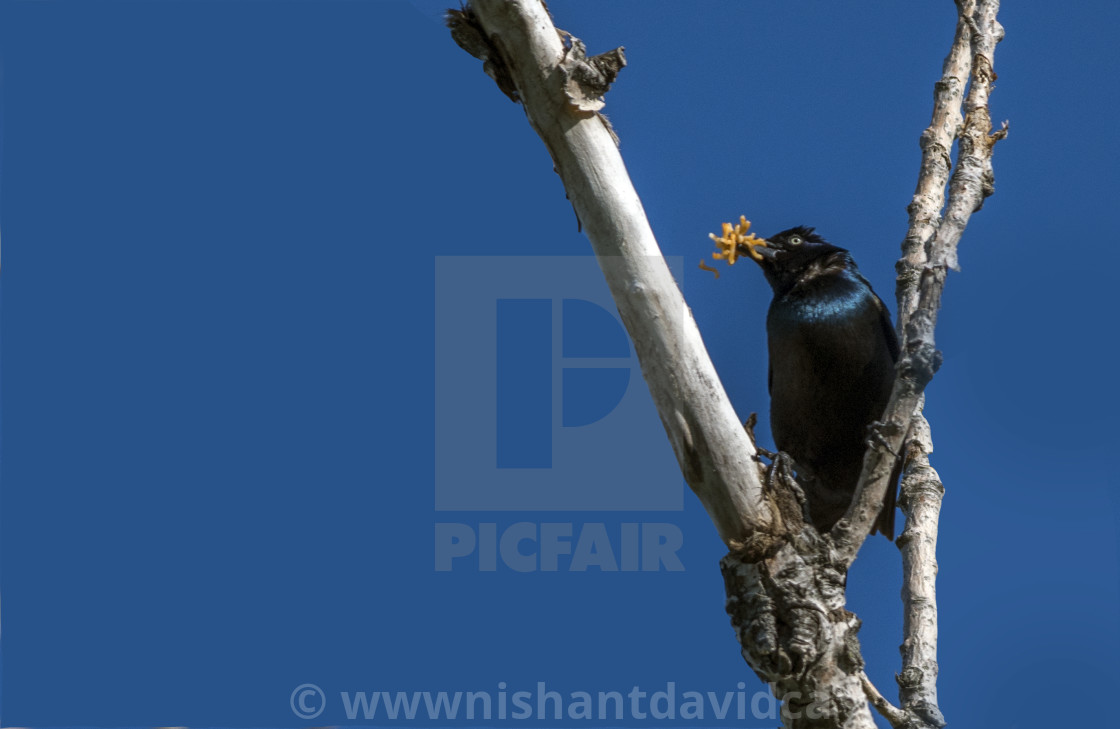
884 524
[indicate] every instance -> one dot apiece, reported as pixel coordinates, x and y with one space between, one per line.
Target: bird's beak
759 250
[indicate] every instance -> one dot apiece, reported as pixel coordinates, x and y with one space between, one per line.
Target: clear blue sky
245 379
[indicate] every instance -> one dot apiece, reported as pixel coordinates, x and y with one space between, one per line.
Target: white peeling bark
716 455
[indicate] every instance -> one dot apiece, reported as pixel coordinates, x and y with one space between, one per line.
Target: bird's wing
885 523
888 328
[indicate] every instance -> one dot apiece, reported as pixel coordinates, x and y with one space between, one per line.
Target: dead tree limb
970 183
921 503
928 251
561 91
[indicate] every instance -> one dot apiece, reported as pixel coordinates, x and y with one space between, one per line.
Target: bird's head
789 255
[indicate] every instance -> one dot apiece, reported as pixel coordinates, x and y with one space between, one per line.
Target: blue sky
237 385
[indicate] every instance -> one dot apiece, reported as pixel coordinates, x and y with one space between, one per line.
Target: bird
832 352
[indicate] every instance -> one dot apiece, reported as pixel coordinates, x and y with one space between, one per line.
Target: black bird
832 357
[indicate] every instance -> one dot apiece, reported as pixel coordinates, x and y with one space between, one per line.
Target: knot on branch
982 68
925 712
946 85
936 153
921 359
928 713
788 613
920 364
920 483
587 80
908 274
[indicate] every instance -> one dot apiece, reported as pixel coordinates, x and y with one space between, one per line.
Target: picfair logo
539 398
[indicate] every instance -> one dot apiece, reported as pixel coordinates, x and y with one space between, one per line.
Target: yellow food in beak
734 242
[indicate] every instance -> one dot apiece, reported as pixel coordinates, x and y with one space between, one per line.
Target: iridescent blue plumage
832 356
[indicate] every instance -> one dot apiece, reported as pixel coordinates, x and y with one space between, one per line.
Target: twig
896 716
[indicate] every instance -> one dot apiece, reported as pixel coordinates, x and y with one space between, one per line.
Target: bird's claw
781 484
761 453
877 433
781 468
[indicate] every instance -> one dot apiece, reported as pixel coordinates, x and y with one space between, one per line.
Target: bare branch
929 250
561 91
896 716
970 183
921 503
936 143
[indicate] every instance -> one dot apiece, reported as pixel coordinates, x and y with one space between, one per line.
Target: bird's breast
829 369
824 340
827 306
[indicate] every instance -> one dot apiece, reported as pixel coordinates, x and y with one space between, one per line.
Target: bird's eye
794 240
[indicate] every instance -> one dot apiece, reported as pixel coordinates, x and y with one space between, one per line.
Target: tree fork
785 582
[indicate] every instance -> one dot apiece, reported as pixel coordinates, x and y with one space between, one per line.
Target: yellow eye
794 240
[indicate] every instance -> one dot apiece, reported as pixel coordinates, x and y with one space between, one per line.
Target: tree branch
896 716
936 143
930 248
921 503
561 92
970 183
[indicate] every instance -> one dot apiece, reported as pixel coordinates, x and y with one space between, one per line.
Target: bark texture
921 503
788 613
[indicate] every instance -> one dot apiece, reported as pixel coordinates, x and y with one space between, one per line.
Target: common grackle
832 357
